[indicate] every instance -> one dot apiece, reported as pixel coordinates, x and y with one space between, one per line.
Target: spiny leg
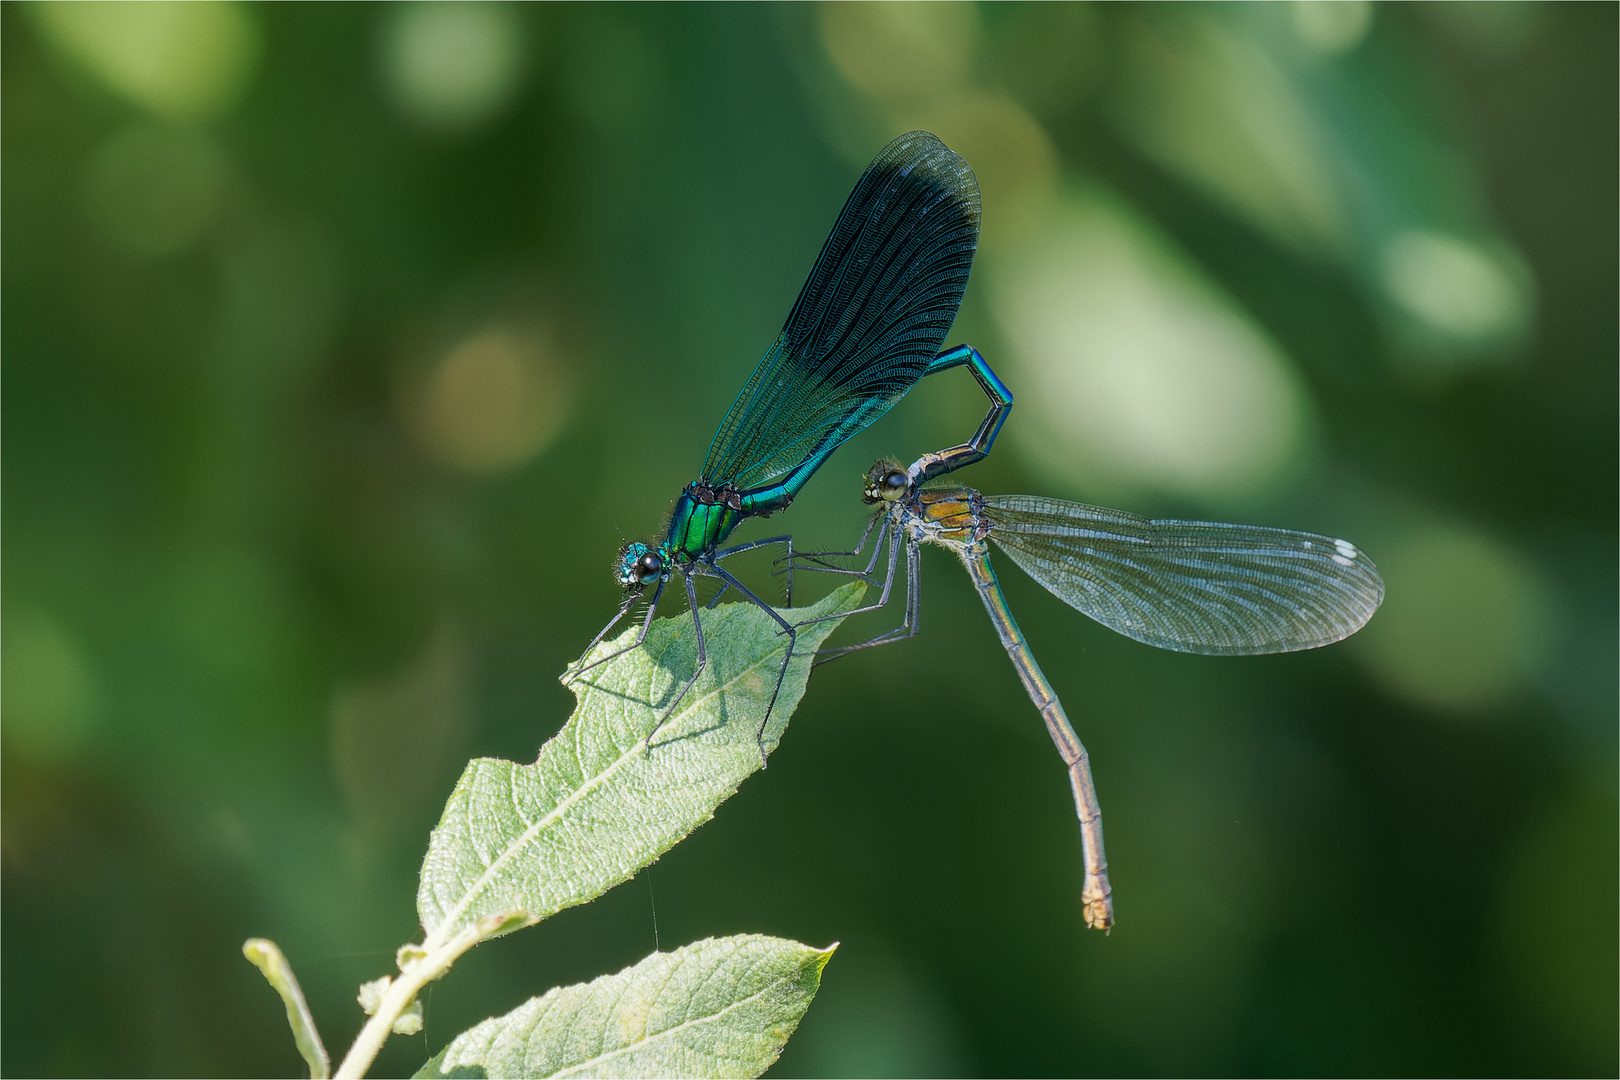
624 608
724 553
793 640
912 621
788 558
866 575
569 678
818 556
822 566
702 657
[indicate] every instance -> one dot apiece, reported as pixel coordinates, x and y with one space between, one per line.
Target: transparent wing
871 316
1191 586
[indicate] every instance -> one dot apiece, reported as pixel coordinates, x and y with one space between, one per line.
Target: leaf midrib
551 817
647 1040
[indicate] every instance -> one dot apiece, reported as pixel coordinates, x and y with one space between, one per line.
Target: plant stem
268 958
414 975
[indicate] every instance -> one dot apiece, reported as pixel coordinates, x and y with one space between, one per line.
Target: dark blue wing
1192 586
873 313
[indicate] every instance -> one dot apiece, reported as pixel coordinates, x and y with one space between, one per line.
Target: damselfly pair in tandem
869 323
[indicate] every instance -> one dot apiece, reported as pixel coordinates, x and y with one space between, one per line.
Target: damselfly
868 324
1190 586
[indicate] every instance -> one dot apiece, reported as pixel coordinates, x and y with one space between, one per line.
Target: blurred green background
343 343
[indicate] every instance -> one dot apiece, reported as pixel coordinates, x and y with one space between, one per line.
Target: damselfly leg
787 657
702 656
750 546
818 563
910 622
579 668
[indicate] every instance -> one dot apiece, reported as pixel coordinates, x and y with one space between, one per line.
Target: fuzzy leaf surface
720 1007
522 842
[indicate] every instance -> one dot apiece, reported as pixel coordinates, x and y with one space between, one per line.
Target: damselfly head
887 481
640 566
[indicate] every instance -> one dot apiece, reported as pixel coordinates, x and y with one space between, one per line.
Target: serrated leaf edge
448 924
821 958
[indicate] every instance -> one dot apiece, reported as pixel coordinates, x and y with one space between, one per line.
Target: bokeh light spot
1211 106
392 737
49 690
152 189
882 1020
1464 621
1049 55
182 61
614 77
1455 287
1555 925
493 401
1500 29
1134 371
900 51
1331 26
452 66
234 614
1010 153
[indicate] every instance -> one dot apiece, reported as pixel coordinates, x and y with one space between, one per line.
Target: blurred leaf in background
343 345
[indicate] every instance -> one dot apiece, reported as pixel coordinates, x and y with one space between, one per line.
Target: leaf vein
532 831
574 1070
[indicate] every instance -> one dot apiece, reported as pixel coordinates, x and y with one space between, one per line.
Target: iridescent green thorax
704 516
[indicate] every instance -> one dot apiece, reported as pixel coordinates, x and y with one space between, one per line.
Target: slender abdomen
1096 896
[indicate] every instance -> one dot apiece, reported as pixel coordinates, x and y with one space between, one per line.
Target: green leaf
717 1007
518 843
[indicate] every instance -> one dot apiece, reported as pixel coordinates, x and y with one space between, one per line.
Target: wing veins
1193 586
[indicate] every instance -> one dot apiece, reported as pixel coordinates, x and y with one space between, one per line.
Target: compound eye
894 485
648 567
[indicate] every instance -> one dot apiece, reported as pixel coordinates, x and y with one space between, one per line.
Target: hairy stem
269 959
415 973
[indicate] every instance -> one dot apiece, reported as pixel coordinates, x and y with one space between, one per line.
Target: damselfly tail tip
1097 907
